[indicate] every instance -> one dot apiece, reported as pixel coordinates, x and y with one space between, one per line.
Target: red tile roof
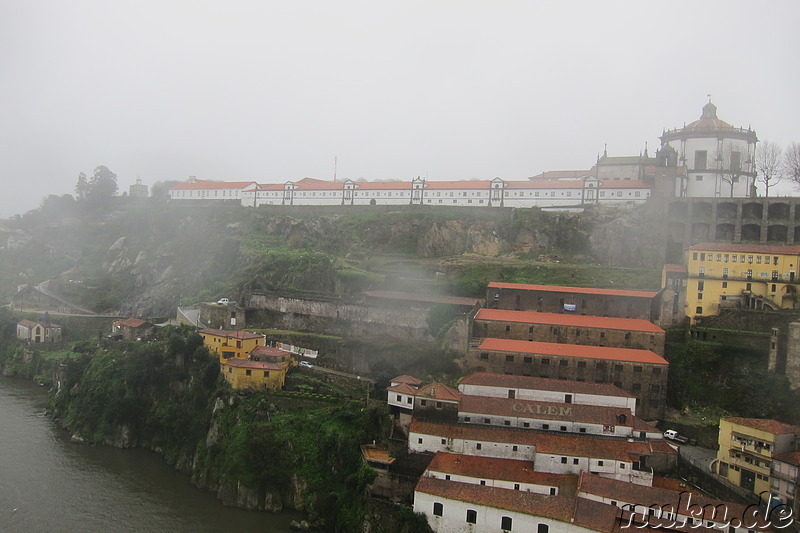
247 363
402 388
765 424
313 184
463 184
438 391
572 350
793 458
578 290
555 443
489 379
545 184
530 503
238 334
383 185
376 454
270 187
207 184
646 496
670 267
583 321
787 249
26 323
132 322
269 351
417 297
514 408
411 380
500 469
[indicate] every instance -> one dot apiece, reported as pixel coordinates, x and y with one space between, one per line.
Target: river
48 484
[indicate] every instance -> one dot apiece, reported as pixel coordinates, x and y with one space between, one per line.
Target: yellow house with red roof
740 276
231 344
747 447
257 375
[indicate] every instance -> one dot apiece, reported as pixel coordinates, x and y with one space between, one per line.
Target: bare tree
735 167
791 162
769 164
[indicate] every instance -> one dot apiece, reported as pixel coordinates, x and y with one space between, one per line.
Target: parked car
223 301
306 364
673 435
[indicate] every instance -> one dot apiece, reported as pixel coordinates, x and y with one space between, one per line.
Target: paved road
701 457
339 373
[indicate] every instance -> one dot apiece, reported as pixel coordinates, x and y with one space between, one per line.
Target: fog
272 91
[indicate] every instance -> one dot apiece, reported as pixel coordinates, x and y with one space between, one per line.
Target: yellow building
270 354
746 449
246 374
740 276
231 344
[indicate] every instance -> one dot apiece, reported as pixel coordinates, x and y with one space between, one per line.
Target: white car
306 364
223 301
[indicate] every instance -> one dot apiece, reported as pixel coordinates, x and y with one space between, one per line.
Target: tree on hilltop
791 162
768 165
102 184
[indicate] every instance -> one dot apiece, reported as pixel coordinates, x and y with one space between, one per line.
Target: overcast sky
273 91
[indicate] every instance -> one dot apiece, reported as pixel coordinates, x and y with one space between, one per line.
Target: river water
48 484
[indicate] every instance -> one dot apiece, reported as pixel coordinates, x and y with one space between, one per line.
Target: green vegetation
724 379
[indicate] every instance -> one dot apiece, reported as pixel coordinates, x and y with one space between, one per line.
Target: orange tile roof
545 442
402 388
513 408
553 507
463 184
643 495
237 334
583 321
545 184
786 249
500 469
793 458
765 424
383 185
417 297
438 391
132 322
207 184
489 379
578 290
572 350
270 186
313 184
247 363
411 380
376 454
269 351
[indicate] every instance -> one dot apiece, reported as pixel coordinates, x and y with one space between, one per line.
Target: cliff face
144 259
254 450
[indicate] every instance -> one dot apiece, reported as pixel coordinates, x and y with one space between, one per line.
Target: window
602 334
266 373
444 441
478 446
617 368
581 364
508 328
563 460
543 528
766 259
527 360
600 463
758 259
701 285
698 310
472 516
545 426
505 523
699 295
545 361
637 369
509 359
484 355
467 418
248 372
724 284
487 420
419 440
437 509
563 362
516 486
700 159
423 402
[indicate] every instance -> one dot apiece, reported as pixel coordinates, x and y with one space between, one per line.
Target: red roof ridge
581 290
572 350
588 321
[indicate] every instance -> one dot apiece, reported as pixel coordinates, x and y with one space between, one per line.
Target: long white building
569 194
